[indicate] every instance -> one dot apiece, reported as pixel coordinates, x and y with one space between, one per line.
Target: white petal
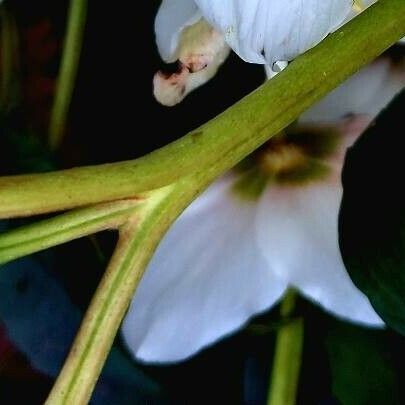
274 70
206 280
201 52
365 93
173 16
277 29
297 232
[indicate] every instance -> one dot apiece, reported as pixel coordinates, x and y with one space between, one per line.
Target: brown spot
164 75
196 135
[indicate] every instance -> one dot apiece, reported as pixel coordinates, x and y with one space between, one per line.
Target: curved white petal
201 52
297 232
173 16
266 31
206 280
365 93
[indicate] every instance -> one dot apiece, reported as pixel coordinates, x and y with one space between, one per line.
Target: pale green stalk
68 71
138 239
63 228
287 357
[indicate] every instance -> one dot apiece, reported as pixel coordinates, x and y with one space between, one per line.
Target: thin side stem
66 227
287 357
68 71
227 138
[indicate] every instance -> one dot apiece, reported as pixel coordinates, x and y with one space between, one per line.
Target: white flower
259 31
198 33
259 230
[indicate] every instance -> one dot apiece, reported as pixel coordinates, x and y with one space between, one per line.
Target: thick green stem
76 224
287 357
68 71
230 136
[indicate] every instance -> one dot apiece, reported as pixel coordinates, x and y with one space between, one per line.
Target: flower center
279 157
296 158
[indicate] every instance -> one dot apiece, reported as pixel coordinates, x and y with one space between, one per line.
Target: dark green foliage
372 218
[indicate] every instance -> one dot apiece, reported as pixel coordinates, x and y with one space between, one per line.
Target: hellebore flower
268 225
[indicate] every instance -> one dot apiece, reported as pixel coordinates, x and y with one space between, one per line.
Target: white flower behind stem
228 258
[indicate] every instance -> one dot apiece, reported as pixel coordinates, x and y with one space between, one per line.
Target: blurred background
110 121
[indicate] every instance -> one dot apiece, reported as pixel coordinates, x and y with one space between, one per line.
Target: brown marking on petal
164 75
169 89
200 52
195 63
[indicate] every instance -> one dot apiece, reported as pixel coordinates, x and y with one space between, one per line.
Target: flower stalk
287 357
137 241
68 71
63 228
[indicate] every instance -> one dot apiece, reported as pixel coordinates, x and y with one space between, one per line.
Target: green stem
138 239
68 71
76 224
227 138
287 357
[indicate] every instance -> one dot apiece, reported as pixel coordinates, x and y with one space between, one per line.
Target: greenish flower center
295 158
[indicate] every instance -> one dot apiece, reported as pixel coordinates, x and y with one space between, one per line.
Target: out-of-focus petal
173 16
297 232
206 280
266 31
365 93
